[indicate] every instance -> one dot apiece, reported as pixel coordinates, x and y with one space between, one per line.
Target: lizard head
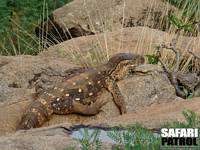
122 63
125 59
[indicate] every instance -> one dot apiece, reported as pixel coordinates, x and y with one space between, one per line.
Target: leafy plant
135 137
190 12
191 8
69 148
90 141
18 21
152 59
179 24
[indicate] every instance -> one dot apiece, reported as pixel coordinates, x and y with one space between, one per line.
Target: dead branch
172 74
172 46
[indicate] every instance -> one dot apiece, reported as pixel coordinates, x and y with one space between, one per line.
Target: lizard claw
123 110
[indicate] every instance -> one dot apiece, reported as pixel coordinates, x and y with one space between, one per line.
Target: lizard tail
36 114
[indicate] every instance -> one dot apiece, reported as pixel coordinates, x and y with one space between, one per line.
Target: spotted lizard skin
78 93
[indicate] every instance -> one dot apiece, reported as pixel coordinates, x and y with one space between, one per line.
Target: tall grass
189 14
102 52
18 21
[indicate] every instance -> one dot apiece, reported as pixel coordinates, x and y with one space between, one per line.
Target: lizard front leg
118 98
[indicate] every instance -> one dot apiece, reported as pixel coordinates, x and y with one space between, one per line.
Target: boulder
153 116
57 136
87 17
93 49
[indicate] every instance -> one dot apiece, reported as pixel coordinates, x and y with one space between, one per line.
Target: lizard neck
107 69
117 71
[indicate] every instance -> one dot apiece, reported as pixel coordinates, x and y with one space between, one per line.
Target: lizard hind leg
28 121
35 115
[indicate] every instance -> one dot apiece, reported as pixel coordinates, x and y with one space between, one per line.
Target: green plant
179 24
90 141
18 21
191 8
135 137
152 59
189 93
190 13
69 148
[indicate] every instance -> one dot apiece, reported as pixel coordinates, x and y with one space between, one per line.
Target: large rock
37 142
153 116
142 40
57 137
86 17
147 85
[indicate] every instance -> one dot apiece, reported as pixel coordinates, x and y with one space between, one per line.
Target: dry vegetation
99 52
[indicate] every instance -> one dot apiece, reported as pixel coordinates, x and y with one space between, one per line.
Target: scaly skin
78 93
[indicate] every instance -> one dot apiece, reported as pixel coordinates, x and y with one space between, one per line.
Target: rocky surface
47 139
36 142
87 17
153 116
57 137
149 96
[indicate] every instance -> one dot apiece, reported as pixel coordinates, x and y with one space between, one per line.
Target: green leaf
152 59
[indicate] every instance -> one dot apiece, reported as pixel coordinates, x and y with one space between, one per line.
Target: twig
158 55
172 75
172 46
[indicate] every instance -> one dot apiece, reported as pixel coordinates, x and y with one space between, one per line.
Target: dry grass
99 51
102 53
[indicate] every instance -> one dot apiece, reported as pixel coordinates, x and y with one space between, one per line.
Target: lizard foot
123 110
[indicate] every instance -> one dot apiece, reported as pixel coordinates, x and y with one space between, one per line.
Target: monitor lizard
78 93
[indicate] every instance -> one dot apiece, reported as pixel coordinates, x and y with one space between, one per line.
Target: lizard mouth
131 68
132 65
